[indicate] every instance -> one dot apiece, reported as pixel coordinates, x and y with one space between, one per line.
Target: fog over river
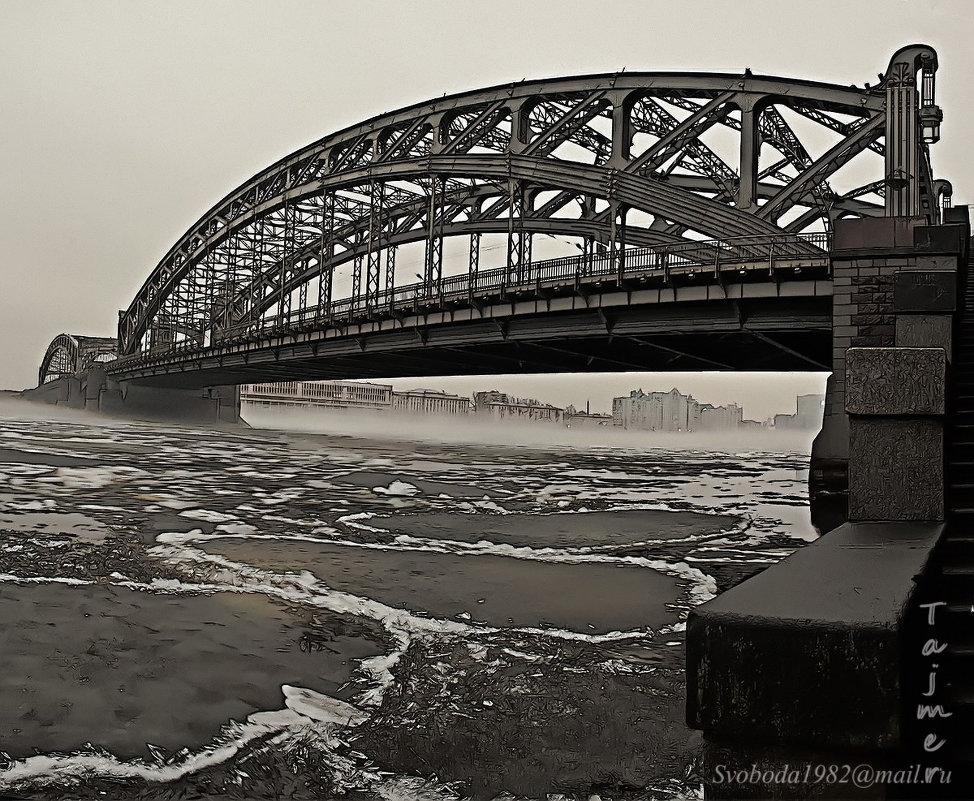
365 608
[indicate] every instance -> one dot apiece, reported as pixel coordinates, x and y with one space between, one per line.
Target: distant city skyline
657 409
761 395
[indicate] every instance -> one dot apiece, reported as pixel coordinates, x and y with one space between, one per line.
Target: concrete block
925 291
895 381
896 468
777 658
924 331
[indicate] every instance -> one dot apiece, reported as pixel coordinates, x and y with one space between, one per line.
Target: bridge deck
744 315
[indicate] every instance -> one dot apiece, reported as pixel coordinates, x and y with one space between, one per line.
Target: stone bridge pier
216 404
894 287
93 390
803 664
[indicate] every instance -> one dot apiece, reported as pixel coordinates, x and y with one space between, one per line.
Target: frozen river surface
251 613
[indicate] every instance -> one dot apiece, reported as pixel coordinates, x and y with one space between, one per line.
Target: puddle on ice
578 530
86 529
122 668
496 590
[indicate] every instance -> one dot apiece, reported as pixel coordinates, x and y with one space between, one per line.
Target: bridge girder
701 155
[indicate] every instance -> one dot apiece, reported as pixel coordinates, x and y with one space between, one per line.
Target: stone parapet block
925 331
896 468
925 291
946 239
874 233
895 381
808 651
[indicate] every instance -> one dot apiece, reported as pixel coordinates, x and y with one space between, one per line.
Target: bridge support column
866 257
801 664
93 383
207 406
79 391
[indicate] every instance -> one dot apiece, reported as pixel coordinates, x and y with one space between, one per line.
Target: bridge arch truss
606 164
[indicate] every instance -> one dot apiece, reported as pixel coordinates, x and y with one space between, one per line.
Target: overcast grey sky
122 122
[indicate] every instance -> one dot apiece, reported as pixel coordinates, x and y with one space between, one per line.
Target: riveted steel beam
478 159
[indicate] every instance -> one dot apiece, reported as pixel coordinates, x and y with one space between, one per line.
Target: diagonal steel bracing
605 162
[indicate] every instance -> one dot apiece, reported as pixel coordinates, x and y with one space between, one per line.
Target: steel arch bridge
700 186
69 354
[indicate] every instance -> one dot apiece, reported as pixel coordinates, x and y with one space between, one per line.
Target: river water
289 614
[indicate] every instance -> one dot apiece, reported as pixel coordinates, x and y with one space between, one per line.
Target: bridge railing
705 256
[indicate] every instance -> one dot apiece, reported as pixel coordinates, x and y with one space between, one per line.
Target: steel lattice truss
606 162
69 354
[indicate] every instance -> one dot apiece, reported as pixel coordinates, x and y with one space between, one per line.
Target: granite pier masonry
823 659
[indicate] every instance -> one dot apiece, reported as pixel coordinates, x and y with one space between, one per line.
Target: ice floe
207 516
397 488
91 477
322 708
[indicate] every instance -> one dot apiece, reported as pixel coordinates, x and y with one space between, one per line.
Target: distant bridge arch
69 354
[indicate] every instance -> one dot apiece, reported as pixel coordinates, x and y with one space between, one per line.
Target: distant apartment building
330 394
808 415
719 418
429 401
672 411
652 411
501 406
